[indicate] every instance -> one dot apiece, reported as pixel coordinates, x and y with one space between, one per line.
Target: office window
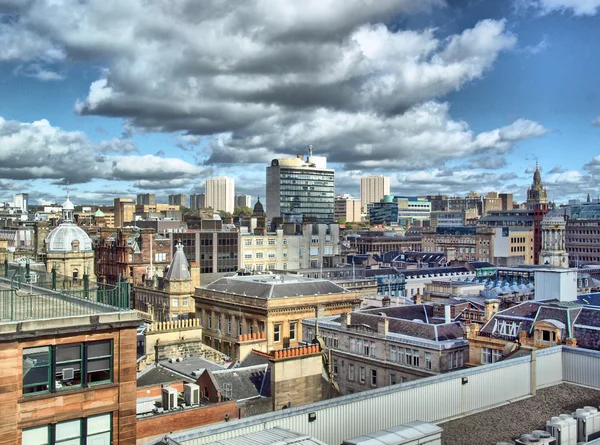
277 333
416 357
392 379
95 430
293 326
373 377
362 374
351 372
393 353
70 368
428 360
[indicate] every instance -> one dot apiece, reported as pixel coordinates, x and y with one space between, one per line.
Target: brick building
127 254
69 377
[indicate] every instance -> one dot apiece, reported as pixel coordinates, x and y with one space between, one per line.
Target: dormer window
75 246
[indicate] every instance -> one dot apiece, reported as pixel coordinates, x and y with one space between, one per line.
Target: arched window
75 274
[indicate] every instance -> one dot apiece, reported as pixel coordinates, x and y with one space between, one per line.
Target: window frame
84 427
294 330
276 332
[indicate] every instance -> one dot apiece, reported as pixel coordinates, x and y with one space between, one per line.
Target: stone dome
61 239
258 208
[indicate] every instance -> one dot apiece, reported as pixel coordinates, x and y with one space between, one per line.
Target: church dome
258 208
61 239
68 205
537 177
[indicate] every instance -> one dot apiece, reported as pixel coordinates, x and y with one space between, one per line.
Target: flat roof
508 422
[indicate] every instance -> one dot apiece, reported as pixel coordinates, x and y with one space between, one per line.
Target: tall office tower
146 199
197 201
220 193
178 200
297 188
124 210
22 201
243 201
373 189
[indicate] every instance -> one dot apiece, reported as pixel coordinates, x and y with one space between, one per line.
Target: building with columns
553 251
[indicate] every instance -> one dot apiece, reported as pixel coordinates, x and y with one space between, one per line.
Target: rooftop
272 436
155 374
190 364
274 286
510 421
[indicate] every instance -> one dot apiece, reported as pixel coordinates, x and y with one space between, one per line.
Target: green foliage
242 211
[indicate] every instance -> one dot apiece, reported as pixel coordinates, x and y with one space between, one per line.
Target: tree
242 211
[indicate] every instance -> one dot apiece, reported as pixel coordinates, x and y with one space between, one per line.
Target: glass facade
307 192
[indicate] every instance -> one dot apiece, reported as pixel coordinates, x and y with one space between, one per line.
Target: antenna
310 150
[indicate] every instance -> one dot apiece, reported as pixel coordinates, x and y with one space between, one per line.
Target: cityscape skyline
442 97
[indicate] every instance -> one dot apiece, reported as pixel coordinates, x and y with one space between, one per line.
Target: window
362 374
373 377
272 242
160 257
293 326
239 326
352 345
259 242
248 255
392 379
247 242
271 254
259 255
276 333
366 349
490 355
393 353
372 349
359 346
546 336
175 302
428 360
416 357
285 241
209 316
409 357
229 325
185 302
68 364
350 372
219 327
95 430
336 342
335 366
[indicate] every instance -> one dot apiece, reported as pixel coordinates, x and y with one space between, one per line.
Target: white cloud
576 7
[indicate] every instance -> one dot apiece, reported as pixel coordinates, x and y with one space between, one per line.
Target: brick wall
158 425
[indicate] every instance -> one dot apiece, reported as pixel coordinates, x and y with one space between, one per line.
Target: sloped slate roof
156 375
179 268
245 382
272 286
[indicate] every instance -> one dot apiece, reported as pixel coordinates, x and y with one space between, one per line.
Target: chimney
346 320
491 307
447 316
383 325
386 301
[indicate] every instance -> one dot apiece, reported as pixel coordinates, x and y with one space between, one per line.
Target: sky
113 98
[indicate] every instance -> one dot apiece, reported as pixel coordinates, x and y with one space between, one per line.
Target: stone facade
460 243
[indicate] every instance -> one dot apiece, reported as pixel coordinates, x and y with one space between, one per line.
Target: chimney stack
447 316
491 307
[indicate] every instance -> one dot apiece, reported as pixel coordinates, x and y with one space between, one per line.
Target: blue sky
447 97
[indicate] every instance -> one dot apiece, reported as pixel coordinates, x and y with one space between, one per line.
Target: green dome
99 214
388 198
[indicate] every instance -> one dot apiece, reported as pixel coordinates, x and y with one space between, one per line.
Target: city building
374 242
537 193
68 367
292 247
270 307
411 210
124 211
243 201
146 199
513 245
21 200
169 297
582 232
68 248
298 189
553 252
507 201
468 243
213 248
389 345
455 218
347 209
198 201
220 194
384 212
178 200
130 254
443 203
373 189
493 201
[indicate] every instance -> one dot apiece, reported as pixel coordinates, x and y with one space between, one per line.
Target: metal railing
27 294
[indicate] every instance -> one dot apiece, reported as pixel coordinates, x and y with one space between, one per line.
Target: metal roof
179 269
273 436
398 435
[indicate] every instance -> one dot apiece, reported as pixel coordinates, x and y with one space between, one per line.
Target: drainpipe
533 371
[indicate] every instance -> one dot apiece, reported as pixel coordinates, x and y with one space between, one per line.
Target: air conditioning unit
564 429
169 398
68 373
527 439
588 423
145 405
545 437
191 393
